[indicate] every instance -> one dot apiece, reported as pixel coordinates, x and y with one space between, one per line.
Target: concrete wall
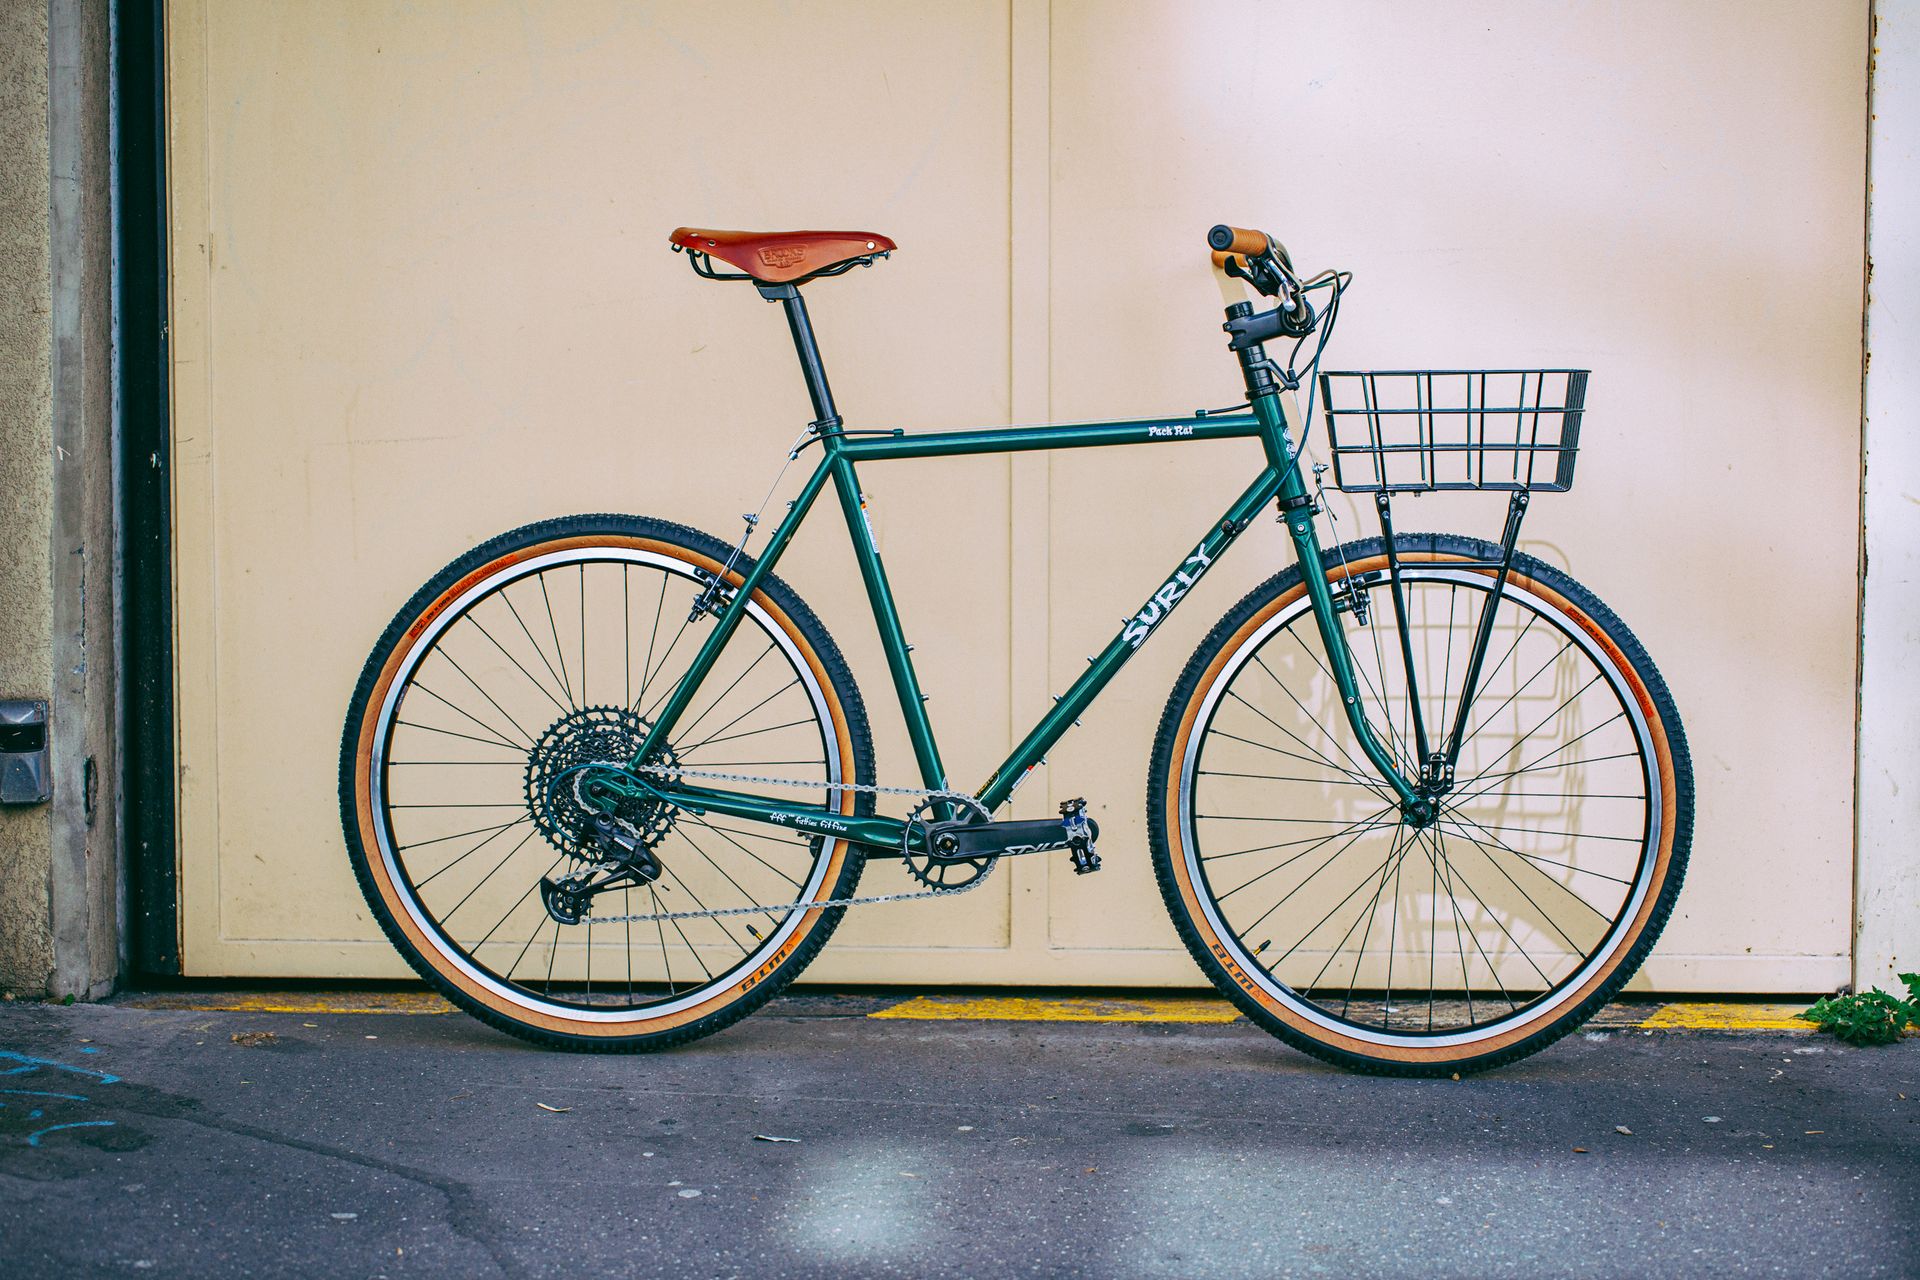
59 880
1887 887
26 465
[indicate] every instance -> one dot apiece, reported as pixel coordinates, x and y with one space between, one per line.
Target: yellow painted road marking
1727 1016
296 1002
1062 1009
1679 1016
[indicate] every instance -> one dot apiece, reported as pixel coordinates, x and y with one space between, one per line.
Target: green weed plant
1871 1017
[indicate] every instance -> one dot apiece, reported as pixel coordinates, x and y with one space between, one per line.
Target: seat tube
873 574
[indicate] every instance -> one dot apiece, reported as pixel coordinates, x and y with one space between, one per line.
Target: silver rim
1542 1009
812 889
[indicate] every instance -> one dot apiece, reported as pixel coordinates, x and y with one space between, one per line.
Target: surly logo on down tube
1142 623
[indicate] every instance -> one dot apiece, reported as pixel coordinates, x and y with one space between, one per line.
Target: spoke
458 834
1542 831
585 701
1364 880
761 835
721 832
447 915
498 737
507 599
768 912
1498 923
1229 773
646 665
1347 774
1460 830
626 678
1433 945
1524 685
1438 841
448 658
553 953
688 942
1393 934
1396 855
469 737
1545 755
717 921
1262 917
1321 758
544 691
1497 845
660 928
559 650
458 764
1564 764
474 950
687 731
419 885
1361 769
647 681
1316 841
694 746
1361 671
1508 876
748 733
1358 829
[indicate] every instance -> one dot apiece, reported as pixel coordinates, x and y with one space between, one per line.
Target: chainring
590 735
945 873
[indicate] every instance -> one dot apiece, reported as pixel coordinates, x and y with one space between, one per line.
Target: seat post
826 417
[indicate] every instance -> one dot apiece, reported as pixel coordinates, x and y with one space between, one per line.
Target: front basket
1418 430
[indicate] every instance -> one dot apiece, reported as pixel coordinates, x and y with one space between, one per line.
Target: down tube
1123 646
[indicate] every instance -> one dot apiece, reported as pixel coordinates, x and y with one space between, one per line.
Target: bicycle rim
1371 937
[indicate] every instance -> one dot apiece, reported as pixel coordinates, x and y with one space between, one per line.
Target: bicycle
1418 804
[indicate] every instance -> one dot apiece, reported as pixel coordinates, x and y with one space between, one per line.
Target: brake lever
1269 278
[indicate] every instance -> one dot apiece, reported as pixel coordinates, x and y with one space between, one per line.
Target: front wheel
1364 938
550 648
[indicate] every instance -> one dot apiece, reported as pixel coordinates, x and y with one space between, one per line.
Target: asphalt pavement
814 1140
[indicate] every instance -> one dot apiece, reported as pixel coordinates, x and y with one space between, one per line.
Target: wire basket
1420 430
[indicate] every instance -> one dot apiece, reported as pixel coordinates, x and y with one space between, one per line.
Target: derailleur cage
628 864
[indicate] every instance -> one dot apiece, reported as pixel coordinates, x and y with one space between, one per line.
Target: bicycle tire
1300 1014
486 573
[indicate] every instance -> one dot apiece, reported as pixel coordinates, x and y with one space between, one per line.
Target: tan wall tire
790 943
1266 999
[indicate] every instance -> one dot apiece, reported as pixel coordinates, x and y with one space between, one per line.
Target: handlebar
1226 239
1262 261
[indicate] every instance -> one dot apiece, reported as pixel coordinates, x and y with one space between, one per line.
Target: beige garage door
422 294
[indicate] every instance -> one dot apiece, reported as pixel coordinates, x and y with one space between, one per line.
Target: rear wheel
554 646
1349 931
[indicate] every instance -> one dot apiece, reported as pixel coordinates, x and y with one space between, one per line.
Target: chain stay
926 795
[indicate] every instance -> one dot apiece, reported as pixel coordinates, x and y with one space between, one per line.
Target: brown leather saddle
779 257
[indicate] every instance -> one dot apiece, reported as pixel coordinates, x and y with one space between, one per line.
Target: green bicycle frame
1278 481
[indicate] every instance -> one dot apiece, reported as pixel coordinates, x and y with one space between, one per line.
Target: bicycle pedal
1080 835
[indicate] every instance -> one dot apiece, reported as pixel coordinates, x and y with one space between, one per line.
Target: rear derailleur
626 863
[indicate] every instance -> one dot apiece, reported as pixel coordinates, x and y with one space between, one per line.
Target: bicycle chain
864 788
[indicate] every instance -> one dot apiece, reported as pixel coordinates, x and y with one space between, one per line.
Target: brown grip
1226 239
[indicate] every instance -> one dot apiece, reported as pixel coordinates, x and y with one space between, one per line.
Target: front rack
1422 430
